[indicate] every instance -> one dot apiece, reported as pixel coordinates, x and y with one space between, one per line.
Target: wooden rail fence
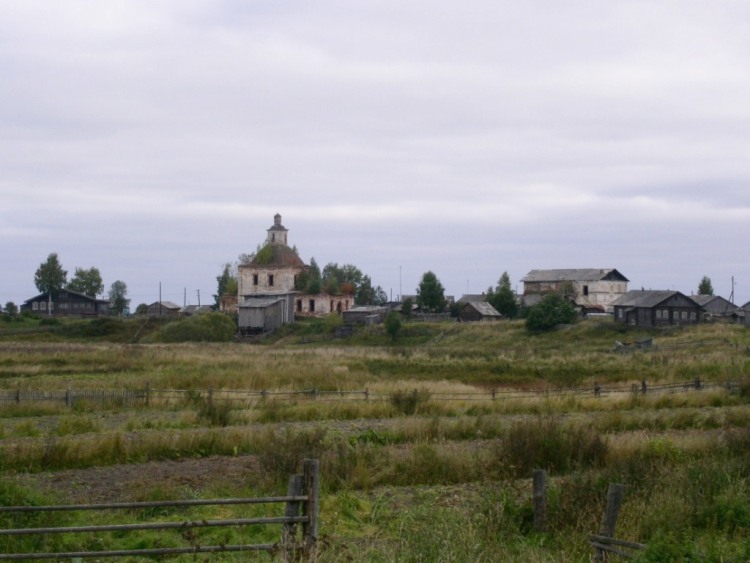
250 398
301 510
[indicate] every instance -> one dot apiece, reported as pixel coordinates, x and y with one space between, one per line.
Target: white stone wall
283 280
324 304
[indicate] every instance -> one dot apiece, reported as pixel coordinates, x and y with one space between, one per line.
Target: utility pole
199 297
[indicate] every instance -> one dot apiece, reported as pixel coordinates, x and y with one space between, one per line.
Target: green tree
551 311
503 299
226 284
87 281
431 293
393 324
314 282
118 301
11 308
141 309
406 307
50 276
705 287
344 279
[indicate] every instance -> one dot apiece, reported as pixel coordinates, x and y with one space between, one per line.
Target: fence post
68 398
612 510
540 500
148 394
292 509
18 396
311 477
367 394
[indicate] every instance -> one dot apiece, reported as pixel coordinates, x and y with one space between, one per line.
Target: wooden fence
604 542
250 398
301 510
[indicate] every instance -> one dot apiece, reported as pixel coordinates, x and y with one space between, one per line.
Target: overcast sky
156 140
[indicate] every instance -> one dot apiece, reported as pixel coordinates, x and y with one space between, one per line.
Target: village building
591 289
163 309
654 308
716 307
268 289
476 311
66 303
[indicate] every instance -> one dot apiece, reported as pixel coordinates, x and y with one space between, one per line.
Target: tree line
50 277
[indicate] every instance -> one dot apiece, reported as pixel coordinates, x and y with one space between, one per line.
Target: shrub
551 311
211 327
407 402
549 445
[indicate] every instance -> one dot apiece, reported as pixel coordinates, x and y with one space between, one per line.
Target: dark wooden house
716 307
653 308
475 311
66 304
163 309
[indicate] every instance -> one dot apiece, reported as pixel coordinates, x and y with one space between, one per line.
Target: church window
270 280
255 279
312 305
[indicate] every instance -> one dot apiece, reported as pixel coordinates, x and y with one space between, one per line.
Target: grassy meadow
429 468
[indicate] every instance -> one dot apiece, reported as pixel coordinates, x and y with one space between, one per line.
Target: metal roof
483 308
260 302
645 298
574 274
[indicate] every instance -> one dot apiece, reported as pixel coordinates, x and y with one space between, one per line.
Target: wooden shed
264 314
476 311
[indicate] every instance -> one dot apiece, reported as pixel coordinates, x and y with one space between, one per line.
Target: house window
619 313
585 290
35 306
43 306
692 316
270 280
665 314
63 305
312 305
658 314
255 279
684 315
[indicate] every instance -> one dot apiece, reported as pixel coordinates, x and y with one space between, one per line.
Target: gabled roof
579 274
646 298
483 308
165 305
82 296
704 300
473 297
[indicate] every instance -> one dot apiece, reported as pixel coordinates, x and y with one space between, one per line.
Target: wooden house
653 308
67 303
716 307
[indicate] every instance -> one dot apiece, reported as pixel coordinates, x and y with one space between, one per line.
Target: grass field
418 472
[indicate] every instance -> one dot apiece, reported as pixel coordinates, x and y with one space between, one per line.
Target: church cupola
277 233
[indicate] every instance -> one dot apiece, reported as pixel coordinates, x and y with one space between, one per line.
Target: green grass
409 476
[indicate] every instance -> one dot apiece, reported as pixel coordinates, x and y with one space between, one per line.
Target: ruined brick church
266 287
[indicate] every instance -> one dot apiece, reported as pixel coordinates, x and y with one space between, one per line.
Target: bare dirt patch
133 482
